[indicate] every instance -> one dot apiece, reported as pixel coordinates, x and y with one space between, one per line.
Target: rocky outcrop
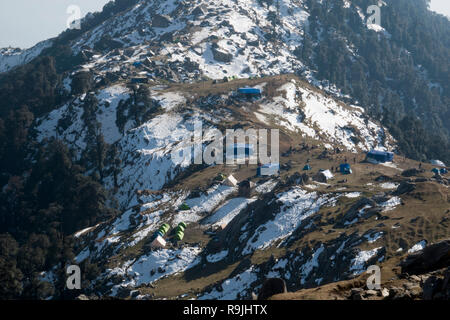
431 258
272 287
221 56
412 172
161 21
404 187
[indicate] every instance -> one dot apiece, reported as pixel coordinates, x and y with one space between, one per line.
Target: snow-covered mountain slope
202 39
281 217
146 149
13 57
153 67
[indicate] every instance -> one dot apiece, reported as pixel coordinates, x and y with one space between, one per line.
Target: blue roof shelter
379 156
443 171
250 91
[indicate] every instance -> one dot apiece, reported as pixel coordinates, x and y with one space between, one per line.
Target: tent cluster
440 171
157 240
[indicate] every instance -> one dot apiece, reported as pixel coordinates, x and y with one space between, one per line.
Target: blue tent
435 170
307 167
249 91
379 156
345 168
268 169
443 171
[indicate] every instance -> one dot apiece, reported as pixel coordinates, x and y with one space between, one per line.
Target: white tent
159 242
437 163
230 181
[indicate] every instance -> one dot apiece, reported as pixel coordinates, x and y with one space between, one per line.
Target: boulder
272 287
431 286
383 178
161 21
221 56
412 172
432 257
404 187
199 11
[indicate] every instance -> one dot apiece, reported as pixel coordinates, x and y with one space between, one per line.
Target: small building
268 169
376 156
230 181
345 168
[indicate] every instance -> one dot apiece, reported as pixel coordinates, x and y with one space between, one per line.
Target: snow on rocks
206 203
213 258
234 288
418 246
359 262
228 211
266 187
353 195
391 204
312 263
13 57
318 116
297 205
75 133
389 185
371 238
155 265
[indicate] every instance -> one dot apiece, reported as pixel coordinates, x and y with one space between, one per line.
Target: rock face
199 11
404 187
221 56
431 258
411 172
161 21
272 287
